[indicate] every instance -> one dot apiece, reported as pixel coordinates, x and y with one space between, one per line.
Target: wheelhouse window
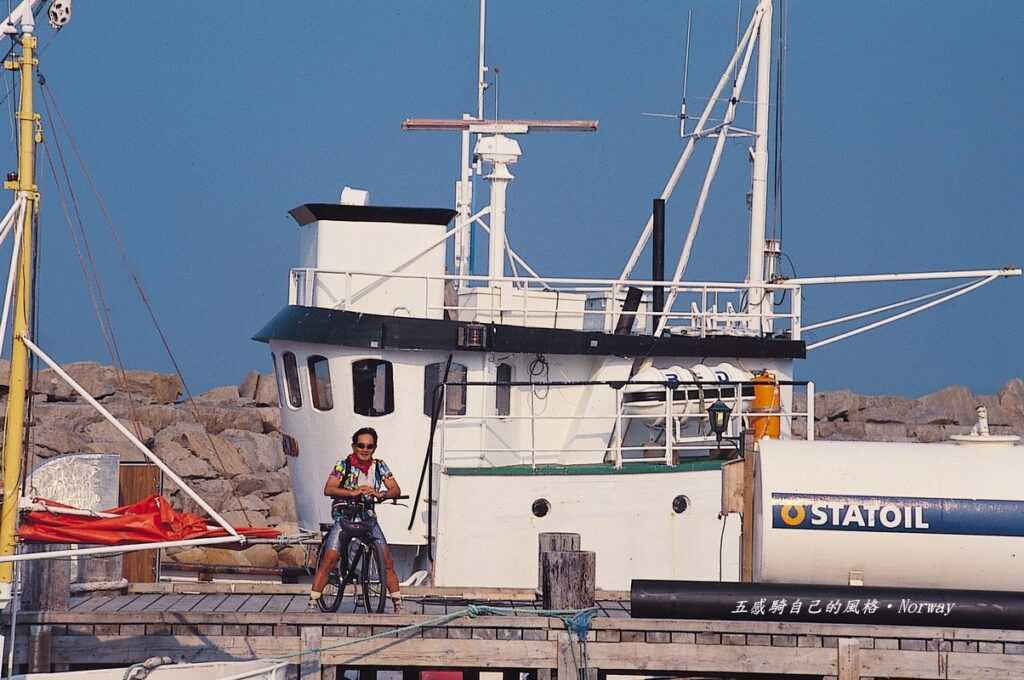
455 401
320 383
291 380
373 387
277 378
503 390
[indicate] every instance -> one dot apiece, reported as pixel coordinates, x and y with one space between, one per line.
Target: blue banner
898 514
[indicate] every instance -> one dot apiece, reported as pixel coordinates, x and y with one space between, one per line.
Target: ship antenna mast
21 21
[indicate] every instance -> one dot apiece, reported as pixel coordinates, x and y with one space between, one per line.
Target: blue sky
204 122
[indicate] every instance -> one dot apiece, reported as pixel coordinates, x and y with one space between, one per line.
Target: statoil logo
898 514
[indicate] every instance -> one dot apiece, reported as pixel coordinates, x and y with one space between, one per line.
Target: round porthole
680 504
540 507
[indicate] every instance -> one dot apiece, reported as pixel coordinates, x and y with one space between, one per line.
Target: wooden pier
220 621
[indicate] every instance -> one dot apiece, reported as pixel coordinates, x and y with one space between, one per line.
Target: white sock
314 594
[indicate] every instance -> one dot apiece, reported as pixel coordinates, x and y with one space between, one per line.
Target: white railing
700 308
552 438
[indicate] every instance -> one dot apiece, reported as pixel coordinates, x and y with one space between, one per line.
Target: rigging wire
93 281
780 98
137 281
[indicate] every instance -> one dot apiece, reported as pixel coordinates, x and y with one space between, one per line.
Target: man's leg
390 577
332 551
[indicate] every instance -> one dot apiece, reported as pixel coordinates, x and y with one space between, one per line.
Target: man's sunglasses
365 447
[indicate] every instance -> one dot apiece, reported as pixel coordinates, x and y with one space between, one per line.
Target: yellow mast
28 135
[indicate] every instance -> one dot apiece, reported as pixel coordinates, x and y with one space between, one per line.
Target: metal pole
757 297
684 158
14 432
658 257
809 392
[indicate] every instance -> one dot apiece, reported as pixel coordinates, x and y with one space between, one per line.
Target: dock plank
277 604
163 603
91 603
185 603
232 603
254 604
209 603
116 603
141 603
299 603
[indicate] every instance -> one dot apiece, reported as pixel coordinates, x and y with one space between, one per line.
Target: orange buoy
766 400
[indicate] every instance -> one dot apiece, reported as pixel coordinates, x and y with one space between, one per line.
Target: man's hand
368 491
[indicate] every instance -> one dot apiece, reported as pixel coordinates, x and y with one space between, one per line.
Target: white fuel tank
687 399
929 515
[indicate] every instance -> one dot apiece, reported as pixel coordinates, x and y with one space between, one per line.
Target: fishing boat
519 403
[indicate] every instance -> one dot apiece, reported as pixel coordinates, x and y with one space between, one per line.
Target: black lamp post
718 419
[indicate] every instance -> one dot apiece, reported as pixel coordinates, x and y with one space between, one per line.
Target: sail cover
151 520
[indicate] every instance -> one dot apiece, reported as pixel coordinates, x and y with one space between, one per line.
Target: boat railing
699 309
544 424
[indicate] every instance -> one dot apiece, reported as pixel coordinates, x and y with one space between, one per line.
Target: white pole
5 225
132 438
515 256
481 83
684 158
107 549
10 281
758 298
884 308
915 276
698 212
902 315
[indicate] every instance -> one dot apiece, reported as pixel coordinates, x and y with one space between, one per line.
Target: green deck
646 468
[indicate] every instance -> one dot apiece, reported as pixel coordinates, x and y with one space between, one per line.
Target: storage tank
890 514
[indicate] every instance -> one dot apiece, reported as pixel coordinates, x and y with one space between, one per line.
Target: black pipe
650 599
658 258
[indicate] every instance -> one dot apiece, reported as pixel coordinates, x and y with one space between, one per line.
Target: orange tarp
151 520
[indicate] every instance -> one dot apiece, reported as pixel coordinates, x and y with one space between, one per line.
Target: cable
137 281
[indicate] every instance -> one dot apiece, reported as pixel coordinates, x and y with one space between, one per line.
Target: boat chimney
658 257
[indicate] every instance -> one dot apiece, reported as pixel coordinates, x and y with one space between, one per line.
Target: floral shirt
353 477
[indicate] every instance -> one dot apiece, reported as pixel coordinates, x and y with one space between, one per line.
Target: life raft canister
766 400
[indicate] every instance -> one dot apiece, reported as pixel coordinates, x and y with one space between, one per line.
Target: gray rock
212 448
103 381
265 483
261 451
220 417
282 506
266 390
837 405
1011 397
957 403
247 390
182 461
226 393
885 432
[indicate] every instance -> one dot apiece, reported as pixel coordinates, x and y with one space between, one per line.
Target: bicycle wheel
330 597
349 570
375 593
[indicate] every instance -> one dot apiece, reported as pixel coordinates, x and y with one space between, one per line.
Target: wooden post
309 665
136 482
46 588
747 526
568 579
554 542
570 660
849 659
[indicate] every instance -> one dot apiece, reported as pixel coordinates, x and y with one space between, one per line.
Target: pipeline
654 599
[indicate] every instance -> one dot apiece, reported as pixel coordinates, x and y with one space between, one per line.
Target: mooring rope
577 623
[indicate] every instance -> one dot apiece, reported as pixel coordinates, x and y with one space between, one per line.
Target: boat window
455 403
373 387
291 380
320 383
503 390
277 378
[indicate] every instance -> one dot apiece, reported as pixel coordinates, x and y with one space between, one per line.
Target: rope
577 622
137 281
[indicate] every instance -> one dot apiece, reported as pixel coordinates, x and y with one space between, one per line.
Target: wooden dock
220 621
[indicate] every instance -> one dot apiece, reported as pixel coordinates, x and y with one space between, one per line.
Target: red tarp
151 520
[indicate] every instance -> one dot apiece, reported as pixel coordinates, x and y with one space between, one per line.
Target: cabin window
455 403
503 390
277 378
320 383
373 387
291 380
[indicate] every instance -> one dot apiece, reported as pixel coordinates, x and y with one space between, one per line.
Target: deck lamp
718 418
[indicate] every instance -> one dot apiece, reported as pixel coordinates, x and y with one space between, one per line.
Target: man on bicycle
358 474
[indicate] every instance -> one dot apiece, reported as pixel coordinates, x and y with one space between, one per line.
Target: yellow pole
14 431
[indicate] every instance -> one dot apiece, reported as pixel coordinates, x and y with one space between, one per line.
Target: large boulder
837 405
103 381
219 416
262 483
182 461
247 390
266 390
261 451
212 448
282 507
955 404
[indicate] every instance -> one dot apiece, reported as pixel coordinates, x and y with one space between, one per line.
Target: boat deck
236 621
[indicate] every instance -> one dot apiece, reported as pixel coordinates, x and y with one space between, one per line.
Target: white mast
757 302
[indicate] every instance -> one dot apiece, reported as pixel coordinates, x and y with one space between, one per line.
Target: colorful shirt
353 478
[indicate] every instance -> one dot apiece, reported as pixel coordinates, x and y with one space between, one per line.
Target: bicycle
361 558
